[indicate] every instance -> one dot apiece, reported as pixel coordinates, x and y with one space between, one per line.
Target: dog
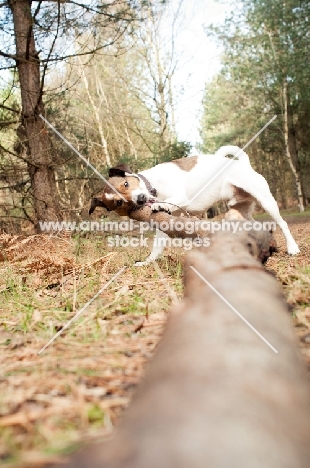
193 184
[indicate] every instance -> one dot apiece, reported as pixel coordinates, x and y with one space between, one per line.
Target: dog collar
148 185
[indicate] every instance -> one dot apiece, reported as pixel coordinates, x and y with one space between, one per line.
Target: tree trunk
215 395
157 72
95 108
288 148
39 149
171 103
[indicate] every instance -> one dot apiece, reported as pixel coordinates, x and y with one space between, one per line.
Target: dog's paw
293 249
146 262
161 206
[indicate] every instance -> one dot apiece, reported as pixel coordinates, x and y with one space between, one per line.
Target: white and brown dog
194 184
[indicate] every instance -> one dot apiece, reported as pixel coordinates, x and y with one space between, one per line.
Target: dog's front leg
171 204
159 243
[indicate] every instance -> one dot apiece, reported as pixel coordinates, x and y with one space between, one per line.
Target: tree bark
95 108
261 243
40 157
156 69
288 148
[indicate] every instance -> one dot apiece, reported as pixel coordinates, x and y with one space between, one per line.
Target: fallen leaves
81 384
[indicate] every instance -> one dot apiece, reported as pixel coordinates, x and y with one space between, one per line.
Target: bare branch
7 151
10 109
6 123
51 48
10 56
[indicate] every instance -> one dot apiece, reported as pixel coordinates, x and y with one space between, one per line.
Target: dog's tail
235 151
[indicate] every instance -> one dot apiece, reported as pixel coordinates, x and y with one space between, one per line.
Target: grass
78 387
287 214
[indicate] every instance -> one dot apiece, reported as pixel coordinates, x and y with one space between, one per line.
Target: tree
43 33
265 64
155 44
118 101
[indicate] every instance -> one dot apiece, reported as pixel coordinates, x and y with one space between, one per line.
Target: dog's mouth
143 200
150 201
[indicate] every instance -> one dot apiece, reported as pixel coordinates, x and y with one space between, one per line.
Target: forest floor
77 388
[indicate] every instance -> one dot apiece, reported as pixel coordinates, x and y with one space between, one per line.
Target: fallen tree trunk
215 394
189 226
261 243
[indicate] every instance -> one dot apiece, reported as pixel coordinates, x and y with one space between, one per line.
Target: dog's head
129 192
128 186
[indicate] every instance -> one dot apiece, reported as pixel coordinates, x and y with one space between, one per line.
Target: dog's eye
126 184
119 202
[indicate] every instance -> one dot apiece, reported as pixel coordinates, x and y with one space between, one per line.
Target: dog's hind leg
270 205
258 187
159 243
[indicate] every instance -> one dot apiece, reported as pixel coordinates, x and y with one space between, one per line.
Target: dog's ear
94 203
120 171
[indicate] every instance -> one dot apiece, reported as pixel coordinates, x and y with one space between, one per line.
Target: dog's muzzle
141 199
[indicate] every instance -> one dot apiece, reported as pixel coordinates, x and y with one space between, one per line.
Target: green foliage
101 102
266 46
95 414
176 150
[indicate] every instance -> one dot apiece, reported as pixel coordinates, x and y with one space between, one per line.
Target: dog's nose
141 199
